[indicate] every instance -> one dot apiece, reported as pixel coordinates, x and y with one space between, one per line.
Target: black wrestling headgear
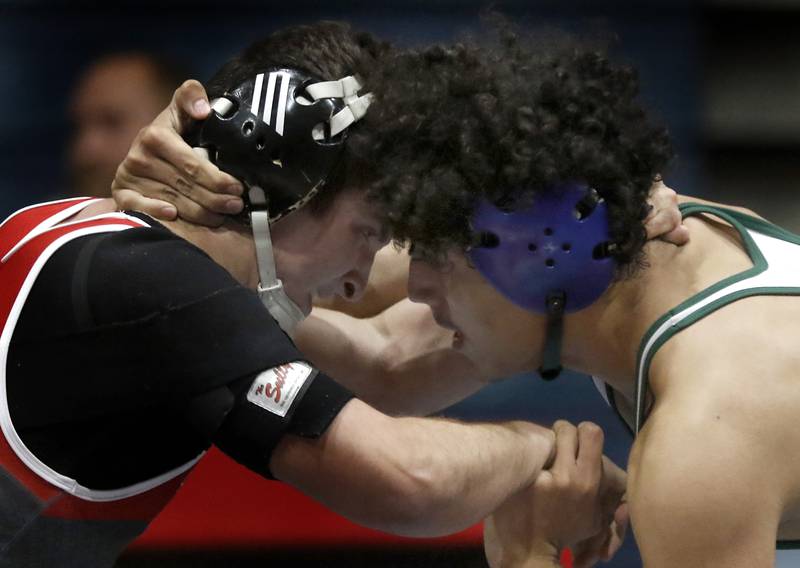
281 133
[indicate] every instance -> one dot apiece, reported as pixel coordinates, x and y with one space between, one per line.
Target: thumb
189 104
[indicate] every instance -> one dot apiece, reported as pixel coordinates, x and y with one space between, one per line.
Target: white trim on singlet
81 203
601 386
48 223
783 270
41 469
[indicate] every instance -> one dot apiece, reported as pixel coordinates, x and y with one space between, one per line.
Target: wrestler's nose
353 285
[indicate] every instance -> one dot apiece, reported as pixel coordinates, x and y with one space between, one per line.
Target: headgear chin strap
281 133
550 258
270 287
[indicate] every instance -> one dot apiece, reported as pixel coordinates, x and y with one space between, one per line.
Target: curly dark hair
327 49
504 120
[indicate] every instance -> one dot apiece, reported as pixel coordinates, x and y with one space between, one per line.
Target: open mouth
458 339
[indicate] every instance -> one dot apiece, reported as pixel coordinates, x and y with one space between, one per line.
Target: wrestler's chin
303 302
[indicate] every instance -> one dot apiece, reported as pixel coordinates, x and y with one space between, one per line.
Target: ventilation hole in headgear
487 239
248 127
601 251
566 247
277 157
532 247
260 143
548 231
550 263
587 205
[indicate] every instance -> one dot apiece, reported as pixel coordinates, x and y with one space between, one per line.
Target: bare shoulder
741 361
698 492
710 467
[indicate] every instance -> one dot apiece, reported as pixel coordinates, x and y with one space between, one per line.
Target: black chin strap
551 357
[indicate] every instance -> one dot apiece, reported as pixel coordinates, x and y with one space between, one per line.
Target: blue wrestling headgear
551 257
281 133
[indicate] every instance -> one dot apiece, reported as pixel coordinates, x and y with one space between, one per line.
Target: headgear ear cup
554 245
266 138
550 257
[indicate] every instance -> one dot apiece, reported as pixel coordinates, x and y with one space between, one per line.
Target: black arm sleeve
136 337
250 432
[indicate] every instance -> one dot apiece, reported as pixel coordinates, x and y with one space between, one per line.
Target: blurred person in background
115 97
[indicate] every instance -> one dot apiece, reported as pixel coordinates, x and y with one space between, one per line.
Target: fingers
603 545
614 482
189 104
160 165
590 452
664 219
165 169
163 202
566 444
128 200
678 236
188 169
619 529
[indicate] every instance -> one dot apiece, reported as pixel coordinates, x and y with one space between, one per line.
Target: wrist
541 444
541 554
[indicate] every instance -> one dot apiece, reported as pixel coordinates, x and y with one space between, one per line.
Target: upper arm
698 493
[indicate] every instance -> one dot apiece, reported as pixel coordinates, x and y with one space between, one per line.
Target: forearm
344 348
410 476
467 471
400 362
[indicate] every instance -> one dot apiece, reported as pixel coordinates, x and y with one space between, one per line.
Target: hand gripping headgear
550 258
281 133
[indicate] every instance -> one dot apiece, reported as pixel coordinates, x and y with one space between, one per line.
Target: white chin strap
270 290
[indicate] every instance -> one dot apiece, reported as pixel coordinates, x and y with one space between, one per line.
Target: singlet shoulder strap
749 221
712 298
